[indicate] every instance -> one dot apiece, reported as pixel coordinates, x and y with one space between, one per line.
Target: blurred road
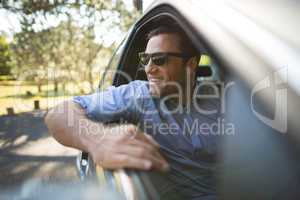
28 155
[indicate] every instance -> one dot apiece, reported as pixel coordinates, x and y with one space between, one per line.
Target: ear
192 63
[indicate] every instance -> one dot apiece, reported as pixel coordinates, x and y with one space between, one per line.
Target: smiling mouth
154 80
150 79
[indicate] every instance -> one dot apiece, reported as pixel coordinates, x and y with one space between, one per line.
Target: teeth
154 79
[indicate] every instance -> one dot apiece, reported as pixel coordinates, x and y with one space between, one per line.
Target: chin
155 90
154 93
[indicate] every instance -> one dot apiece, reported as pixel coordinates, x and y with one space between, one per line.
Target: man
160 114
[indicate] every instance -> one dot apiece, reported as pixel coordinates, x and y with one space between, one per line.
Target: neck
184 99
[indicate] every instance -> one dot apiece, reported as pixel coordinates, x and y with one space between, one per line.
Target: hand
127 147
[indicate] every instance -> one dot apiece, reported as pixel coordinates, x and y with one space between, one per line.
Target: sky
9 23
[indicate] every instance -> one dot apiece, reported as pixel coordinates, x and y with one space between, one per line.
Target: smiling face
175 70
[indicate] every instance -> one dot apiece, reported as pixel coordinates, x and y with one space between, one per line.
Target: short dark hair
186 45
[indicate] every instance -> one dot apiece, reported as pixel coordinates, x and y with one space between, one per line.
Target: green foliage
67 51
5 56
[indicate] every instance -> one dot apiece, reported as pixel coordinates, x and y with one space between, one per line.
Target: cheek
177 73
164 74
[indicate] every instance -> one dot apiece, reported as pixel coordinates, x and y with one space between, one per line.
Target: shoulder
127 93
139 84
137 88
131 87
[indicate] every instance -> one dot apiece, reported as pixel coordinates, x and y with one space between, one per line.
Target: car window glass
208 61
108 74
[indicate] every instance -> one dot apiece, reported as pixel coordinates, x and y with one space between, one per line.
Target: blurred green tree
5 56
66 40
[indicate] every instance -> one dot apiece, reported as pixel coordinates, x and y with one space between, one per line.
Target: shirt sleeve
113 104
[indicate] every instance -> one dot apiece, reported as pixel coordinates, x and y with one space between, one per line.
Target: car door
260 160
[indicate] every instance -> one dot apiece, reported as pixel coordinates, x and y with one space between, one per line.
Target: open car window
254 146
109 72
136 42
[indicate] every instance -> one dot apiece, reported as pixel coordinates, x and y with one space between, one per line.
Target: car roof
280 17
267 29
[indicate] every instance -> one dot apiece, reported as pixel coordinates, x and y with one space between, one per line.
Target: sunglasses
159 58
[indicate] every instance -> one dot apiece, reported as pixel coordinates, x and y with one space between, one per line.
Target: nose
150 68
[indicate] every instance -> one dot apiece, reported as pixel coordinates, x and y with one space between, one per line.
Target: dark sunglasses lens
144 59
159 60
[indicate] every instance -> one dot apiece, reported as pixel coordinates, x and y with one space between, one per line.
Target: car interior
255 149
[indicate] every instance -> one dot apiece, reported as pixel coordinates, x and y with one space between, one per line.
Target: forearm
69 125
112 147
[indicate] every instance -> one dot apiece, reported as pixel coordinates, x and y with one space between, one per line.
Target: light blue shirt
188 138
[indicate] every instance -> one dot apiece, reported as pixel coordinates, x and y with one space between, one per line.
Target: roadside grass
21 96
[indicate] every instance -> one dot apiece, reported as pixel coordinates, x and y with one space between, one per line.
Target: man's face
162 78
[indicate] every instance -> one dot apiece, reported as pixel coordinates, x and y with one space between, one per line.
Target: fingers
135 133
147 145
127 161
146 138
140 152
131 149
150 148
